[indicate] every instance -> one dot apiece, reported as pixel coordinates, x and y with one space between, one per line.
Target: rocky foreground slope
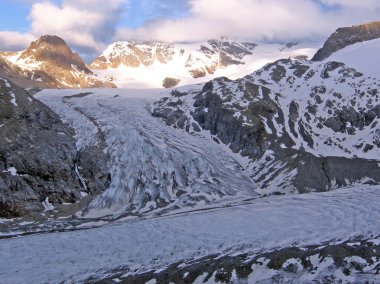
48 63
39 162
304 126
347 36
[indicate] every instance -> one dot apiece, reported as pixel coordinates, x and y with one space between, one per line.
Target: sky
88 26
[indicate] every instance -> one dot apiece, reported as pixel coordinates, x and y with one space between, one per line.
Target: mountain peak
49 62
50 39
54 51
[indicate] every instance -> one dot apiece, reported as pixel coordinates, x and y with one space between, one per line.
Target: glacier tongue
154 167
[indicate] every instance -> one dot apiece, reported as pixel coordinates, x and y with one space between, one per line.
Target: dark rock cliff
39 161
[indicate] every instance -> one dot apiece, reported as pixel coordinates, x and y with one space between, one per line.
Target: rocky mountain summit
344 37
304 126
40 166
49 63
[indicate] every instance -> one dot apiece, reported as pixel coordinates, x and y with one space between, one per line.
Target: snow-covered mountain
147 64
48 63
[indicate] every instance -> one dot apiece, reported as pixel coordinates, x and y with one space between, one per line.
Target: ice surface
262 225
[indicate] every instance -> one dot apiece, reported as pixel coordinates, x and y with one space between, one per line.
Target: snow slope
362 56
139 246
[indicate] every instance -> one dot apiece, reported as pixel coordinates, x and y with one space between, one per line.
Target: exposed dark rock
198 73
227 60
330 66
327 173
170 82
38 157
232 48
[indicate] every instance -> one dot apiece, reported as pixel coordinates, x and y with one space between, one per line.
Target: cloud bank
14 41
258 20
89 25
85 24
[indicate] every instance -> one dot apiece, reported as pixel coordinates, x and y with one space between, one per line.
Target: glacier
229 218
143 245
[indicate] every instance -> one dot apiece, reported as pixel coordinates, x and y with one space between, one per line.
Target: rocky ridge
344 37
49 63
303 126
40 166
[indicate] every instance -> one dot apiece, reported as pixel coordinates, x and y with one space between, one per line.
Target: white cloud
14 40
88 25
257 19
85 24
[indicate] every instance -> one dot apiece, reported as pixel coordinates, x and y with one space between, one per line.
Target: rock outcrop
49 63
302 124
40 165
170 82
344 37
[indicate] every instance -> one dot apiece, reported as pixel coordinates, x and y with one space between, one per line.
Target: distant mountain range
50 63
198 59
150 64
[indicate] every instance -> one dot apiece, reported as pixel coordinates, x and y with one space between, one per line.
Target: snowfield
139 246
360 56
